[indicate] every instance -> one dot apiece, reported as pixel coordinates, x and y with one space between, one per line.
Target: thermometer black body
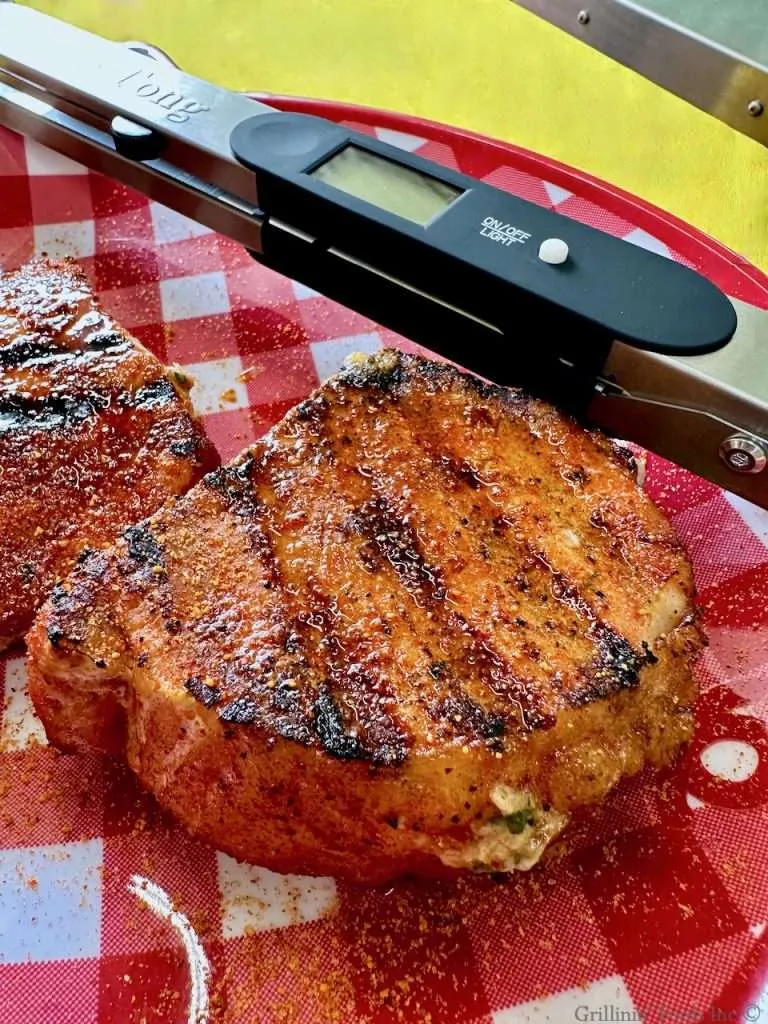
469 244
622 337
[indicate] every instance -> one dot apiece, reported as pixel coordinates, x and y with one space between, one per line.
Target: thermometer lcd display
390 186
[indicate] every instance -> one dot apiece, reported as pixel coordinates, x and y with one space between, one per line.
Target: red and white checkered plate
110 914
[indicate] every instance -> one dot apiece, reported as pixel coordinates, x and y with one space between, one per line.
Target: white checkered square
755 518
198 295
255 899
75 238
51 902
21 727
402 140
609 996
645 241
302 292
218 387
170 226
556 194
329 356
42 161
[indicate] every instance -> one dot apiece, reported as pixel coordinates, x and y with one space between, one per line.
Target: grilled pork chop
414 626
94 433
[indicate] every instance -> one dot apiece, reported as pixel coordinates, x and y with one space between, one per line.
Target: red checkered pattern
657 912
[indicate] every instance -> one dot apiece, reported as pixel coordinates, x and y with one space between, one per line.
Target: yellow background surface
482 64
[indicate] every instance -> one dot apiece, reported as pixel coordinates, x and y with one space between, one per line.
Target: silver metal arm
102 79
159 179
716 79
708 413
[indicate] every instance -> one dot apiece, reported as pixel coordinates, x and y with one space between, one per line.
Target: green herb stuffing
519 820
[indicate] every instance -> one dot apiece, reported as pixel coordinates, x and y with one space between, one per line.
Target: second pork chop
94 433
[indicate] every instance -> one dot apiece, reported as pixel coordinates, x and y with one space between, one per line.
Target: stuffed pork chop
412 628
94 433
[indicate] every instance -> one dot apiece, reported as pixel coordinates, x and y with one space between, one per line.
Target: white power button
553 251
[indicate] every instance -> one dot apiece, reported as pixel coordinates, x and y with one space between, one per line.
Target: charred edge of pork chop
499 521
94 432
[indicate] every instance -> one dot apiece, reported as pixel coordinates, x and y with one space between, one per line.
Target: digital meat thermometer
511 290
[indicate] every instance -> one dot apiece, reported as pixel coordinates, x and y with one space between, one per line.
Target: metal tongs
623 338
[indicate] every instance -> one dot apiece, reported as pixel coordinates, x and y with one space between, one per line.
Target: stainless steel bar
717 80
159 179
108 79
686 408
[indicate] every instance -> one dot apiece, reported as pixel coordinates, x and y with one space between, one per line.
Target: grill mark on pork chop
457 707
264 696
29 347
616 665
207 695
319 635
153 395
309 638
144 547
384 741
187 446
21 414
260 695
395 541
63 606
499 677
329 726
389 536
68 625
237 486
267 698
310 617
316 639
103 340
390 540
146 551
38 349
